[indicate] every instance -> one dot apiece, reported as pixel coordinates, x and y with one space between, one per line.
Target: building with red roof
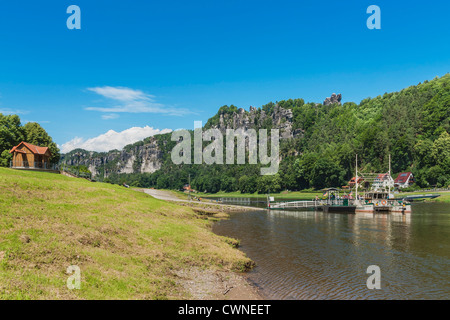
382 180
404 179
29 156
351 183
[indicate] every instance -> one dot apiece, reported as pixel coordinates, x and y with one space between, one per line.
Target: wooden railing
33 165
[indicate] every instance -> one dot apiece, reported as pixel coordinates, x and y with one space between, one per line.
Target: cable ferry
376 200
379 198
381 201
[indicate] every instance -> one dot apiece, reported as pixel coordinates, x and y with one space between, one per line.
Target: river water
316 255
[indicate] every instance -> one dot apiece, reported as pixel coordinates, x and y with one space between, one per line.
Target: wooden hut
29 156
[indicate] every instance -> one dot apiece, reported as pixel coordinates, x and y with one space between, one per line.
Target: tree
422 150
268 183
36 135
303 168
436 113
326 173
247 184
441 149
5 158
227 184
11 134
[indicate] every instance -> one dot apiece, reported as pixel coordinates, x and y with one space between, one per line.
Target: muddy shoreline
210 284
213 284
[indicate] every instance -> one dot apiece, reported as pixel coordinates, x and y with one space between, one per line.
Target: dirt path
169 196
162 195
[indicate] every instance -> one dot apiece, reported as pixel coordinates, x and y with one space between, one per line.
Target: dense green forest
411 125
12 132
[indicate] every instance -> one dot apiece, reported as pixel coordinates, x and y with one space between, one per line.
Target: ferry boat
381 202
379 199
376 200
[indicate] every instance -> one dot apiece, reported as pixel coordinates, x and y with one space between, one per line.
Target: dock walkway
314 204
169 196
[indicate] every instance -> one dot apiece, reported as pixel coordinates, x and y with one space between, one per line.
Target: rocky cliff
147 157
278 118
141 158
335 98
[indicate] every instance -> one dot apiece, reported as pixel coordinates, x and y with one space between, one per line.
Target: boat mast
356 178
389 176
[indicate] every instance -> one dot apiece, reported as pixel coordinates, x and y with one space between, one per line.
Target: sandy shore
207 284
217 285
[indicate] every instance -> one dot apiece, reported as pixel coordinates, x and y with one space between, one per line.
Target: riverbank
298 195
127 244
201 205
207 284
310 195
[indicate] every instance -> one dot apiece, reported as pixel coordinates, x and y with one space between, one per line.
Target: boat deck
343 205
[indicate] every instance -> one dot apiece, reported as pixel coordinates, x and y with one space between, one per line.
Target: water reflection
317 255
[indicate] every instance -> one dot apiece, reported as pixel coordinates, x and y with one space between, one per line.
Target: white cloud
132 101
111 140
110 116
121 93
10 111
39 122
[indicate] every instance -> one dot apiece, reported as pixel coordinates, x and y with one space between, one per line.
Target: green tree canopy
36 135
12 133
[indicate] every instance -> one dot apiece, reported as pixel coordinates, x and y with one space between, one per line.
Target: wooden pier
338 205
236 200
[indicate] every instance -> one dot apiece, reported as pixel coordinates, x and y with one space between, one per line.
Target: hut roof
34 149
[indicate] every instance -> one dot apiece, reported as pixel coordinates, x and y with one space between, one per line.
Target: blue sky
164 64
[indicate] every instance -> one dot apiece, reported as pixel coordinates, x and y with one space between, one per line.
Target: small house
382 181
404 180
29 156
351 183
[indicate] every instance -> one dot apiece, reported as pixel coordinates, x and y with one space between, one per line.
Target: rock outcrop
279 118
333 99
146 158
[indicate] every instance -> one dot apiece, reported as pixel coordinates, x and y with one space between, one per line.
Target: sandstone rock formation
147 157
333 99
140 159
280 118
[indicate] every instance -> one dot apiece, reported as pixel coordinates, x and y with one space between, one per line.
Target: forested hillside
412 125
318 144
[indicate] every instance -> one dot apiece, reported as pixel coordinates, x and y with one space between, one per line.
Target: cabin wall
19 158
23 157
32 159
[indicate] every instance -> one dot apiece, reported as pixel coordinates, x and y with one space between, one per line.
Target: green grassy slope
126 243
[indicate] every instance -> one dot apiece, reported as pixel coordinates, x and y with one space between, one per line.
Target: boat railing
383 202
